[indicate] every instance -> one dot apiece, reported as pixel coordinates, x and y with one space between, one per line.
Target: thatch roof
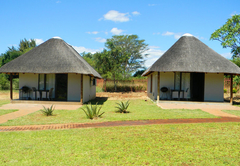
189 54
52 56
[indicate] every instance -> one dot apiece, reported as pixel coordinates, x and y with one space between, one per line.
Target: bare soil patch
5 95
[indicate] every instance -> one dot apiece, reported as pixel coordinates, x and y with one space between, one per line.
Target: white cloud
227 55
168 33
81 49
156 33
101 40
135 13
106 33
114 15
116 31
94 32
38 41
176 35
153 54
152 4
234 13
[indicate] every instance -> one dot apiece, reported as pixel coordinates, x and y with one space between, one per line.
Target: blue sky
86 24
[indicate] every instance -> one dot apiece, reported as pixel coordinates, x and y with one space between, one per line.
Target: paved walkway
24 109
115 123
212 108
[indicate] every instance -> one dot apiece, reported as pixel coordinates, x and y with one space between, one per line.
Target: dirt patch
6 95
122 95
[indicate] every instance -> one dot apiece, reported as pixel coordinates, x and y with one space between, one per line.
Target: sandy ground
5 95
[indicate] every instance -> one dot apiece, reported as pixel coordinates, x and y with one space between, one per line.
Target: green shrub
234 90
4 83
93 111
16 83
47 111
125 88
122 107
225 90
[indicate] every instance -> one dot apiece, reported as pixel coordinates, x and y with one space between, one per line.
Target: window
42 81
46 81
177 80
94 81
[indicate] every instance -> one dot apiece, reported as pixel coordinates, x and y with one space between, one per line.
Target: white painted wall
166 80
150 94
74 87
29 80
89 91
214 85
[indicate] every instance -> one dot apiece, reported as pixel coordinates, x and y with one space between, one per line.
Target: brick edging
116 123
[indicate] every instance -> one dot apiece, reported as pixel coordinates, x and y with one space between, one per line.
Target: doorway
61 87
197 86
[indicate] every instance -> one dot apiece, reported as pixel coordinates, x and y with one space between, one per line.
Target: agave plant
47 111
93 111
122 107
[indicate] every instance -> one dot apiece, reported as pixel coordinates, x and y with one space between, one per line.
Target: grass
3 112
185 144
2 102
233 112
139 110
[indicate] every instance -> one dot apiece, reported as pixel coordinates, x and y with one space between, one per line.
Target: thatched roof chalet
52 56
189 54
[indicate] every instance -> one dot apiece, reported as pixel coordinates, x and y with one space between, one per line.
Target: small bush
4 83
225 90
125 88
122 107
47 111
93 111
234 90
16 83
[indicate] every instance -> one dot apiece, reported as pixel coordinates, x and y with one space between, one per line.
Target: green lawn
233 112
2 102
3 112
139 110
179 144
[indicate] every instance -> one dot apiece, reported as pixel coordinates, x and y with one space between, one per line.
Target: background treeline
12 53
123 56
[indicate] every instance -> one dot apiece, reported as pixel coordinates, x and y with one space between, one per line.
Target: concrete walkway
212 108
24 109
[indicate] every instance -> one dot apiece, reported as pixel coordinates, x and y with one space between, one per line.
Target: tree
236 61
13 52
131 50
89 58
108 64
229 35
139 73
26 44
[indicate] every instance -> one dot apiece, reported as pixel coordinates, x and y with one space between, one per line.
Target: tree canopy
229 35
124 55
12 52
131 52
